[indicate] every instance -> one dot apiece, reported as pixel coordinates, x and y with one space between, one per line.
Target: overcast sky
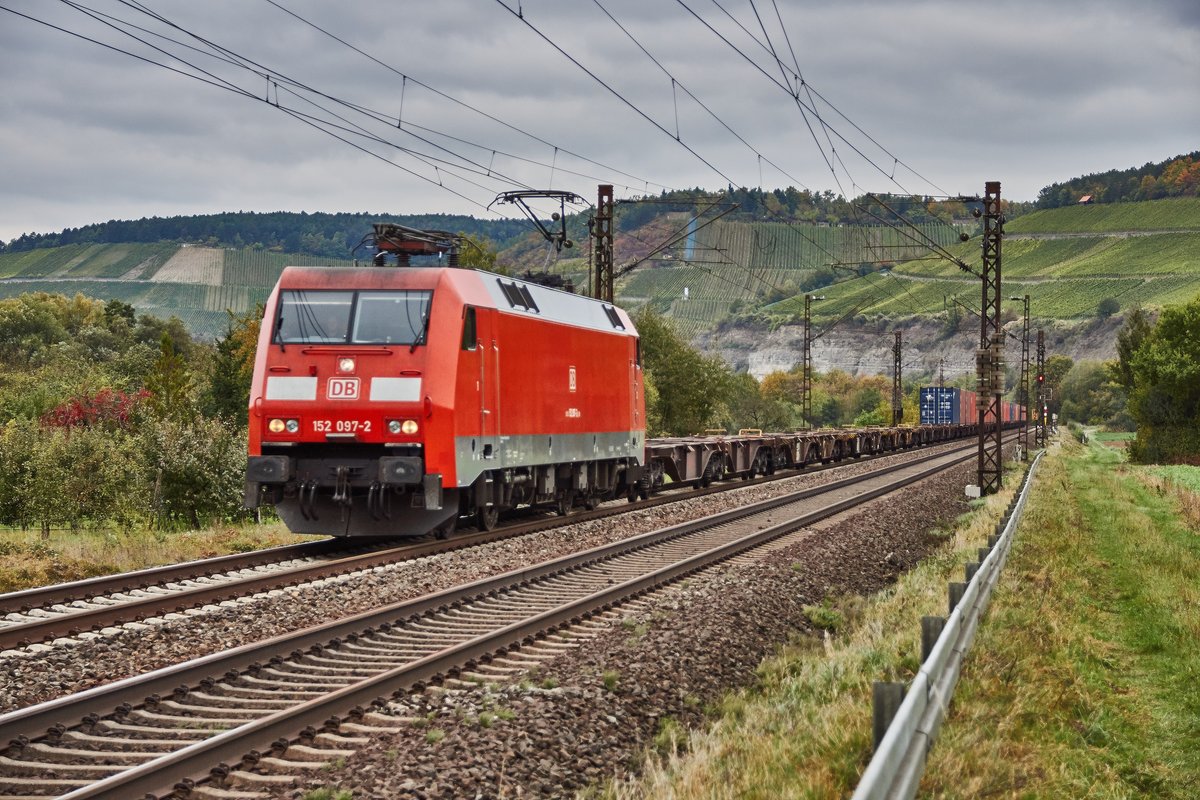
922 97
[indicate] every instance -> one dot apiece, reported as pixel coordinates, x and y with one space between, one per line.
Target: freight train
948 405
405 400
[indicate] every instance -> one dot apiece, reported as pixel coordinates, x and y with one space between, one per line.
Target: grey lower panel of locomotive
475 455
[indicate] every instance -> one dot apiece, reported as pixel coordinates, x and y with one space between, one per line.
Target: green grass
1180 474
27 560
1082 681
1113 436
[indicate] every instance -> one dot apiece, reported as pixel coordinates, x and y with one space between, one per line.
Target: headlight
394 426
275 426
293 425
345 365
409 426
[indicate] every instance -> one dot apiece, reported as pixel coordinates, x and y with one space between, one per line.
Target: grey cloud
1039 93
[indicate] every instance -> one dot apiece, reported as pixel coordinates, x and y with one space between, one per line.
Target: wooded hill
1175 177
870 258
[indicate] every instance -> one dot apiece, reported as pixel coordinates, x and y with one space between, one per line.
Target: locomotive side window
313 317
391 317
470 338
323 317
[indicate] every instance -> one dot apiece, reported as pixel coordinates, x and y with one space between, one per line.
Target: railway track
231 707
70 610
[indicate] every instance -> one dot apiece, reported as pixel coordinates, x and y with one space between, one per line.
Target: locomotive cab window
327 317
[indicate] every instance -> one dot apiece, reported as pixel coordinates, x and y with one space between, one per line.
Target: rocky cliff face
866 348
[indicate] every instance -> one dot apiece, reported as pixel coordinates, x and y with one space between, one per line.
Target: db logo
342 389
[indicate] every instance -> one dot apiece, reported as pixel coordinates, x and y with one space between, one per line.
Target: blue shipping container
939 405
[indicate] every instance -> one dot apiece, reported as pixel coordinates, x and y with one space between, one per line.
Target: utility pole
1023 395
602 234
941 371
897 392
989 357
807 379
1040 437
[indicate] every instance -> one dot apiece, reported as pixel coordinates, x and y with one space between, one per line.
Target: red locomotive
392 401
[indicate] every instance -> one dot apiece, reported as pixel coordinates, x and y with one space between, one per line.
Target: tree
1107 307
170 383
1165 400
228 391
477 252
1089 395
1137 327
750 407
199 469
696 384
1055 369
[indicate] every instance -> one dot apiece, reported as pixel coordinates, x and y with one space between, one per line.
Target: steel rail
71 623
162 773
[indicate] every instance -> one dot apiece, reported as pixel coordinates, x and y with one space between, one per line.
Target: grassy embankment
26 560
1083 680
1080 684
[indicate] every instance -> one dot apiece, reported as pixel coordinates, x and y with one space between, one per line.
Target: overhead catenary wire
442 168
519 15
802 83
675 82
213 80
515 128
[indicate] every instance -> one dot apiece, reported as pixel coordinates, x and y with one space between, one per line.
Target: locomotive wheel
487 517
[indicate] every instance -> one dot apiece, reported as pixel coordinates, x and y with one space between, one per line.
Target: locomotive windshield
374 317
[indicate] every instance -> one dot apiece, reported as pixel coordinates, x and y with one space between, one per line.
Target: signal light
1041 378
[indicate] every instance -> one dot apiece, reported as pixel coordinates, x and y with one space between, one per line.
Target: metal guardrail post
931 630
957 590
886 697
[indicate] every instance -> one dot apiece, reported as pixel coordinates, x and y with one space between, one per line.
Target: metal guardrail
896 768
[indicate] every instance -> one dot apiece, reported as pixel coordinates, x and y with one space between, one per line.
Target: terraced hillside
196 284
736 266
1068 260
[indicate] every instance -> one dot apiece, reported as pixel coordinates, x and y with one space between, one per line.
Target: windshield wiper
421 336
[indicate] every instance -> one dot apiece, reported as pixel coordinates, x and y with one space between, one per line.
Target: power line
519 15
210 79
676 82
803 84
408 78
